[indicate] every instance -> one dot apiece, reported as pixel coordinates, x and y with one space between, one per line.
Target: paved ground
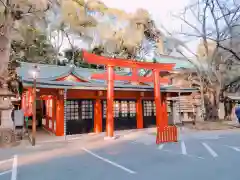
198 155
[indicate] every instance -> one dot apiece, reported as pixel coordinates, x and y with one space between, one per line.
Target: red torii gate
165 132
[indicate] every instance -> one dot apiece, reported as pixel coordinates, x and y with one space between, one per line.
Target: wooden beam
101 60
117 77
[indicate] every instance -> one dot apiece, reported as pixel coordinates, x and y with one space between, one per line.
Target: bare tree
215 24
11 14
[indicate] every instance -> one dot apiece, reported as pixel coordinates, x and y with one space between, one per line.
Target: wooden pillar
157 97
50 114
54 113
110 99
139 110
97 116
60 118
34 115
164 110
47 113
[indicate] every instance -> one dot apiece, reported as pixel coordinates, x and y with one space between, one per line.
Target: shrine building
70 102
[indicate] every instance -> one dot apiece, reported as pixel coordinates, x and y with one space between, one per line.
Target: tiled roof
49 73
179 61
53 72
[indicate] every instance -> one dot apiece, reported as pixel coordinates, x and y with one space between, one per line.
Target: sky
161 12
159 9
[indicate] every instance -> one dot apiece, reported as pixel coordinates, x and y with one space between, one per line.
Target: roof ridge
55 65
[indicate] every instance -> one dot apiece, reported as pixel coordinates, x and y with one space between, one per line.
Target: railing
166 134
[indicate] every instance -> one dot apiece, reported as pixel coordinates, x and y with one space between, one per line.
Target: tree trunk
228 106
5 47
203 110
5 55
211 105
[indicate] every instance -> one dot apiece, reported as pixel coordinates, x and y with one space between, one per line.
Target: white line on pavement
234 148
5 172
210 150
108 161
160 147
184 149
187 155
14 168
5 161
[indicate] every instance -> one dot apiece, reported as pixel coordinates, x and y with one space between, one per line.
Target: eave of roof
54 72
49 74
98 86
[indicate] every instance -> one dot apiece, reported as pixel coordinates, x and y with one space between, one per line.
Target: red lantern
27 101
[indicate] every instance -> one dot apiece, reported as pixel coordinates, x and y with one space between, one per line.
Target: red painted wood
161 119
130 78
166 134
95 59
139 113
98 116
28 109
71 77
54 111
86 94
110 101
47 112
164 110
157 98
60 117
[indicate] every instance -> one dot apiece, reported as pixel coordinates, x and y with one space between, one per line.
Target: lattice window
124 108
116 108
154 108
72 110
132 108
87 110
50 107
104 109
148 108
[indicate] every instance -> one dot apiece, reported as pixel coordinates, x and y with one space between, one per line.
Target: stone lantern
6 124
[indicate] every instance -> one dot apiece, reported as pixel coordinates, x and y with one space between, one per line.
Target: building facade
70 102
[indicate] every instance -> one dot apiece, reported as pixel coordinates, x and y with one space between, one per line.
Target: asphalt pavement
197 156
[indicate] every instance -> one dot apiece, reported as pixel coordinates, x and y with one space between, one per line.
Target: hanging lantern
100 93
61 92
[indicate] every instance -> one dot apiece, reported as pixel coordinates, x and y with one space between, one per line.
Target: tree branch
189 24
215 20
3 4
29 10
235 13
229 50
37 11
204 37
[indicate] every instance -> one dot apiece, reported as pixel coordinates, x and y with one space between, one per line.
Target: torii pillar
110 101
110 76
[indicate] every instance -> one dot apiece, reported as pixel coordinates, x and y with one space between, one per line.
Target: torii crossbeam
110 76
